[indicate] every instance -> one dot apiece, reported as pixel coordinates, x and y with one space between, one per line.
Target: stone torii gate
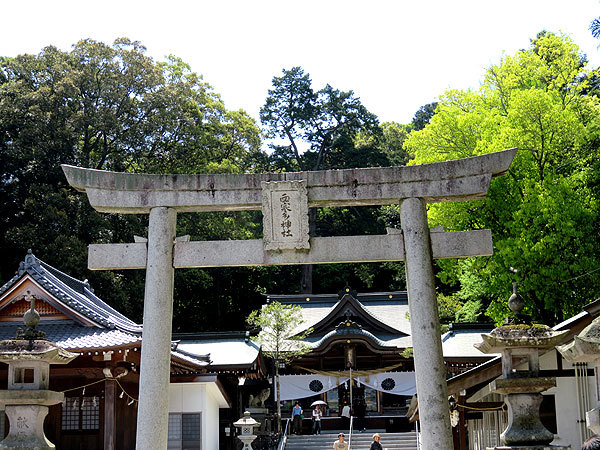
284 199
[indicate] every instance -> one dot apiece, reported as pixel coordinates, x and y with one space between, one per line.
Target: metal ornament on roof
31 318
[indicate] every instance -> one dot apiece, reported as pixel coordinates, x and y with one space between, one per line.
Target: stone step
360 441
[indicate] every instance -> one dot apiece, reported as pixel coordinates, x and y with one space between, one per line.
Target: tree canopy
542 214
104 107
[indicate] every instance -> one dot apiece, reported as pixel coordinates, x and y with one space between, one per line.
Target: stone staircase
360 441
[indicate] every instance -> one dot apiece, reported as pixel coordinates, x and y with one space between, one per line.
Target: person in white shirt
346 416
316 415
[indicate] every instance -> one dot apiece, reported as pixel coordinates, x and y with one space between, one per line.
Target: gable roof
379 320
71 294
386 312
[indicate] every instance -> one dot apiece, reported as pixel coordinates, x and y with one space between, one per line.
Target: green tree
316 130
280 338
542 213
105 107
326 129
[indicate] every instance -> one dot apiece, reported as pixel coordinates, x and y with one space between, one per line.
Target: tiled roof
390 308
74 294
112 329
459 341
224 349
72 336
392 341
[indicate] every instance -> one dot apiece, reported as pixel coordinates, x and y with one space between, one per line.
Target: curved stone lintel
455 180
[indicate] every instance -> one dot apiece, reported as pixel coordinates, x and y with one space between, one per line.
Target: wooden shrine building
361 353
101 385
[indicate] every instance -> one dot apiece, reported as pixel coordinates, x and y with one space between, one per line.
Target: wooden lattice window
81 413
184 431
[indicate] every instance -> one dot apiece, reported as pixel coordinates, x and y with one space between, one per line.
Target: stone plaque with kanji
285 215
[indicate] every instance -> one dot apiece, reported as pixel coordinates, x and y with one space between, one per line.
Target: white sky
395 55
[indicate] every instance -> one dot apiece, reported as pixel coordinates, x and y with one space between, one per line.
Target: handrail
283 440
350 432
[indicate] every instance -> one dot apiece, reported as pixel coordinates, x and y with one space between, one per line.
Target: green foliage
471 311
105 107
279 335
542 212
318 129
448 307
408 353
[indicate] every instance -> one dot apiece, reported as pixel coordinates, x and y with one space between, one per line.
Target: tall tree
542 213
318 130
106 107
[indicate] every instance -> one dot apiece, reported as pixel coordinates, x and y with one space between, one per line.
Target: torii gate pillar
284 199
153 406
430 373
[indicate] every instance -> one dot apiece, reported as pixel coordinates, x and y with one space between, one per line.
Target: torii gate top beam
131 193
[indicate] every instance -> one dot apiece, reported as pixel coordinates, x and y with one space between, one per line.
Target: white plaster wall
194 398
211 421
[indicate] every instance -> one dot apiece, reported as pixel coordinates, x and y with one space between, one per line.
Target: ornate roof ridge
75 294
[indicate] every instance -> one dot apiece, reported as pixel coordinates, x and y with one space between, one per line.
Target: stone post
153 408
425 325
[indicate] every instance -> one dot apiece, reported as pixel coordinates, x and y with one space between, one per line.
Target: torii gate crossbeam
162 196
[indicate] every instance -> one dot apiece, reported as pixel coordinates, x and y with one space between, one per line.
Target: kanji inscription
285 215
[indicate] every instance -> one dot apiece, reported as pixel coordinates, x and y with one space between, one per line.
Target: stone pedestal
26 428
524 424
26 413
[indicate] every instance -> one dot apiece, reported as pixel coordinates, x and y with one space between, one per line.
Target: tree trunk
278 415
306 281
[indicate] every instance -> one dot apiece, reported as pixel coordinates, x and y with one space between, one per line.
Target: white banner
397 383
294 387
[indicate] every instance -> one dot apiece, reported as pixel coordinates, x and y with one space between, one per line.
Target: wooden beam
109 415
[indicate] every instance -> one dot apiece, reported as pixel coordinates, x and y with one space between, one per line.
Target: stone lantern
247 436
585 348
520 342
26 401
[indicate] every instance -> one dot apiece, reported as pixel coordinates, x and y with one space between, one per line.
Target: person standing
346 416
297 418
340 444
376 445
316 415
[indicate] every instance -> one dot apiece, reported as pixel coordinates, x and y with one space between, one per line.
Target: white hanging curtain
294 387
397 383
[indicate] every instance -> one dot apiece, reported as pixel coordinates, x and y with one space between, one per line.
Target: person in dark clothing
592 443
376 445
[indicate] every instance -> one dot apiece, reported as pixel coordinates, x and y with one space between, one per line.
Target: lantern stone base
26 411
